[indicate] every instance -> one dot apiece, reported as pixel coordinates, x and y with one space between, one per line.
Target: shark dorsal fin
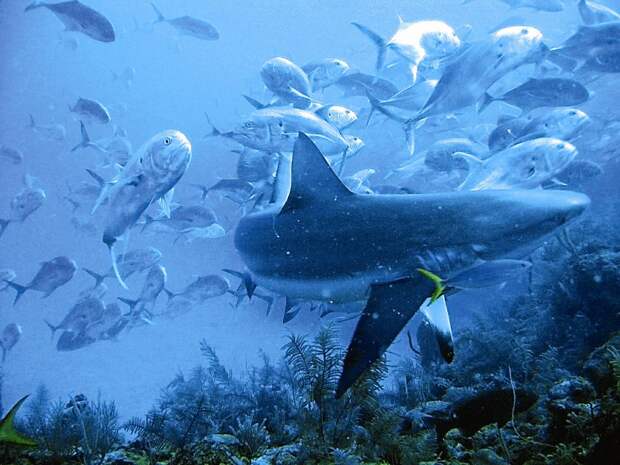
312 179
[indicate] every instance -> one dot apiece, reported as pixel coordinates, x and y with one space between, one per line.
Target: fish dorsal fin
312 179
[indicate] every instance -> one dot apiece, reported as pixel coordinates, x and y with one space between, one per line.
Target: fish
322 242
197 292
603 60
56 132
154 283
6 274
579 172
338 116
108 326
417 42
86 311
357 84
189 26
117 148
551 6
79 18
292 120
287 81
191 221
12 154
439 156
91 110
256 136
325 73
412 98
586 42
358 182
132 262
526 165
23 205
69 341
595 13
561 123
52 274
236 190
9 337
255 165
546 92
150 176
8 433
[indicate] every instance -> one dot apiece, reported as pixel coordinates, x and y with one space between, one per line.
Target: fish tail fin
486 101
3 225
19 289
110 243
246 279
52 328
255 103
129 302
31 122
148 219
99 278
169 293
377 105
409 127
33 5
8 433
96 177
379 41
160 16
204 191
85 141
214 131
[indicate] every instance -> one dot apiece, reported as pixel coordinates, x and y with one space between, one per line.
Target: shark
319 241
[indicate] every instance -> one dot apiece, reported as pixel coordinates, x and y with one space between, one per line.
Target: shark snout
572 205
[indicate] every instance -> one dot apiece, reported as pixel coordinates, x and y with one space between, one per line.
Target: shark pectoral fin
436 313
312 179
8 433
389 308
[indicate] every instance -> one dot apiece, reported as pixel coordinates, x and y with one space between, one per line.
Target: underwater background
543 326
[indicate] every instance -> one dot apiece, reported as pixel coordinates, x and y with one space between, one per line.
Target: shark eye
531 172
167 140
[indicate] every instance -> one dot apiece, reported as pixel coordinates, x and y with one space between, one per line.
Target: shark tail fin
8 433
19 289
52 328
486 101
389 308
33 5
379 42
3 225
255 103
131 303
98 277
214 131
85 139
160 16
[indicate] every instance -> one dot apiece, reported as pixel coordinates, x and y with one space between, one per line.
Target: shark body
328 244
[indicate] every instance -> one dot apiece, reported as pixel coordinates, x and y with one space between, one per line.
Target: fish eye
572 113
524 31
167 140
560 146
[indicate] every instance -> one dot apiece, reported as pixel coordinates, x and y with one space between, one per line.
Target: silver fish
325 73
79 18
9 337
132 262
55 132
150 176
91 110
24 204
186 25
52 274
287 81
11 154
83 313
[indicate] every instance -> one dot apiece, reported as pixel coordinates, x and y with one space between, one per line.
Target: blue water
178 79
